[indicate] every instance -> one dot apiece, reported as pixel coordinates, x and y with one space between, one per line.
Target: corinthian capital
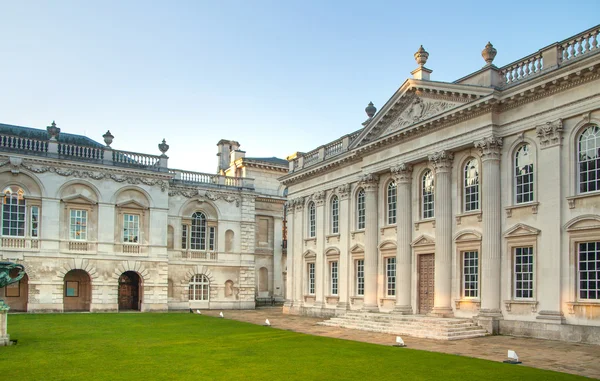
490 147
550 133
343 190
319 197
402 172
369 181
299 202
442 160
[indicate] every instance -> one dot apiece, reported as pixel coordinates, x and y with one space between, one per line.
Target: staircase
409 325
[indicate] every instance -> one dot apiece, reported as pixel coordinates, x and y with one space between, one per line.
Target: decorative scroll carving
419 109
442 160
343 190
224 196
550 134
490 147
402 173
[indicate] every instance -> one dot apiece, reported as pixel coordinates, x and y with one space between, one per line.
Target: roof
271 160
35 133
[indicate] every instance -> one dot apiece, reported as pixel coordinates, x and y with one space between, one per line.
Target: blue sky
277 76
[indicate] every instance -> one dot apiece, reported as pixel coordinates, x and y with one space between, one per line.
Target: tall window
131 228
198 232
427 188
523 276
391 203
471 274
523 175
588 160
35 221
13 212
335 215
311 278
589 270
211 238
333 268
312 220
78 229
199 287
360 277
471 186
184 236
390 275
360 209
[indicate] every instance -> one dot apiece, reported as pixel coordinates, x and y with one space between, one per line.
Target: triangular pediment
79 199
415 102
423 240
520 230
131 204
309 254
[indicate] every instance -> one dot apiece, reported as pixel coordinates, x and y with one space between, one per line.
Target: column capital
319 198
369 181
299 203
343 191
490 147
290 206
402 172
550 133
442 160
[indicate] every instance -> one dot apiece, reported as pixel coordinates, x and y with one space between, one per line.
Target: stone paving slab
580 359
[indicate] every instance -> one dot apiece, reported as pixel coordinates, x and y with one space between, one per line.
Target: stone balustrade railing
135 159
327 151
578 45
523 68
75 151
199 255
181 176
18 143
19 243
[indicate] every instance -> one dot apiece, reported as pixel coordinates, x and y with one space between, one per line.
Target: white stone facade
484 192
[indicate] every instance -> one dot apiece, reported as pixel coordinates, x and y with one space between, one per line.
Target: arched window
312 220
391 203
588 160
471 186
199 287
13 212
523 175
335 215
427 189
360 209
198 232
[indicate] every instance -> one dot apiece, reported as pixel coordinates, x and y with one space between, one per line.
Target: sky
276 76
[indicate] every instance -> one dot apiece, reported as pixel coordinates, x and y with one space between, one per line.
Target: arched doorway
15 295
129 291
77 294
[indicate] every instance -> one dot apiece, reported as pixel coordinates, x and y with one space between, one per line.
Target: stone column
4 336
403 176
343 192
370 184
297 252
491 242
291 278
277 258
320 265
550 247
442 164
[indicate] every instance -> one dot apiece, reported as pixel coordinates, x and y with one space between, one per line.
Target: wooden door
426 282
128 291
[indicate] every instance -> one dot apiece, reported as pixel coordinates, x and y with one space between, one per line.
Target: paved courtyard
581 359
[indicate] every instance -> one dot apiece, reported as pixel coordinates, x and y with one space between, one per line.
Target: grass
192 347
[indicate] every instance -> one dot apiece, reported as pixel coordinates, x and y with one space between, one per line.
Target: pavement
574 358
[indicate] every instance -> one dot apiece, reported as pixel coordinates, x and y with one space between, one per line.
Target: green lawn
192 347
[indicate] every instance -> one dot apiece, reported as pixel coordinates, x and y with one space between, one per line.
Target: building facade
99 229
477 198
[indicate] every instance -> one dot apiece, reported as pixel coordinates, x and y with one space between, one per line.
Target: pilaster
320 268
291 276
299 273
370 183
343 192
277 258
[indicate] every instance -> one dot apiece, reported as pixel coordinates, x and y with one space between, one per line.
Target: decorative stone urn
370 110
9 273
163 147
421 56
108 138
53 131
489 53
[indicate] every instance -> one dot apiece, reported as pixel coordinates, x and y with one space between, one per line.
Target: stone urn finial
108 138
163 147
53 131
421 56
489 53
370 110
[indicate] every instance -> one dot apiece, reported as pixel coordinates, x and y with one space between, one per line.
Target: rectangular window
335 216
523 276
211 238
390 275
360 209
360 277
589 270
184 236
13 216
471 274
334 277
131 228
311 278
35 221
78 230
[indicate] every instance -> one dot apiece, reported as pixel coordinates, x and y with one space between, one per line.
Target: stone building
100 229
477 198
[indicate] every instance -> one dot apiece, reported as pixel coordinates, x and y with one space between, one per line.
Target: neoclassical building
100 229
477 198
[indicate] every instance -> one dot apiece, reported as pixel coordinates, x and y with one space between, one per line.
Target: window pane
589 270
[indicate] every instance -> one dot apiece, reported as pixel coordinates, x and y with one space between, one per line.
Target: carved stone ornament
402 172
299 203
343 191
550 134
319 197
490 147
213 196
442 160
15 164
419 109
421 56
108 138
369 181
489 53
163 147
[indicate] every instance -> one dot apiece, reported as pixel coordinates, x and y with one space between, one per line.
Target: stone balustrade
578 45
199 255
19 243
134 159
522 69
324 152
81 152
18 143
192 178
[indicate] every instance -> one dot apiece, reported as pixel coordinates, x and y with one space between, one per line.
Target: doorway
129 291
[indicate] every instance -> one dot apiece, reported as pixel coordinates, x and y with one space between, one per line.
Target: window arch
198 232
312 220
199 287
391 203
335 215
360 209
588 160
523 167
427 194
13 212
471 185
